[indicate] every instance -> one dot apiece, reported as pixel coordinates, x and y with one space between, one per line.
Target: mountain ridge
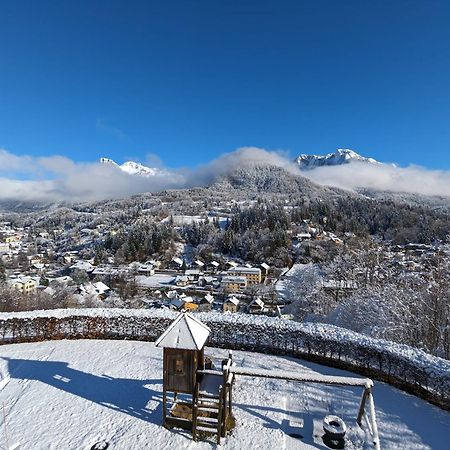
303 162
339 157
134 168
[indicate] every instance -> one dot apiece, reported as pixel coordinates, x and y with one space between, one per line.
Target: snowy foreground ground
73 394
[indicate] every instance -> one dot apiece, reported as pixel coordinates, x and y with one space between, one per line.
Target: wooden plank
185 424
208 430
210 372
306 377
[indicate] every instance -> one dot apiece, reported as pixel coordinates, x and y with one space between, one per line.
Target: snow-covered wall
406 367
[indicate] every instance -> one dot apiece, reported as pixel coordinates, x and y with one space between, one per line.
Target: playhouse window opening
179 366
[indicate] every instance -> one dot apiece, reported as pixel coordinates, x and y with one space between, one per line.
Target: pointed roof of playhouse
185 332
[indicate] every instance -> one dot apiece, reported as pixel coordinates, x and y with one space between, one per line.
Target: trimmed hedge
405 367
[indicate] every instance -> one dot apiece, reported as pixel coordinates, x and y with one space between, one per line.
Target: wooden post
194 410
223 399
373 420
225 410
362 406
164 389
164 405
230 398
219 419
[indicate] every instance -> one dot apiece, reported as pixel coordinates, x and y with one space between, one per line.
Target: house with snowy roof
97 291
231 304
208 281
61 281
25 285
206 302
214 266
176 263
146 268
181 280
256 306
233 283
171 294
199 264
232 263
82 265
37 267
303 236
252 274
184 303
193 274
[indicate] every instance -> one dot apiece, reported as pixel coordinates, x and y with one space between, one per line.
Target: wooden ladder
208 414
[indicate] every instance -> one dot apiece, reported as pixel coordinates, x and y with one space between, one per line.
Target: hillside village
56 262
32 262
259 241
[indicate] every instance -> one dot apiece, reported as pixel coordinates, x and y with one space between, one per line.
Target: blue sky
190 80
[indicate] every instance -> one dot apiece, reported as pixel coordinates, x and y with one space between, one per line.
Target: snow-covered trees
364 290
13 300
257 234
144 239
408 307
302 288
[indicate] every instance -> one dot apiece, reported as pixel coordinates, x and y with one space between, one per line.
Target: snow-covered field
73 394
288 275
157 280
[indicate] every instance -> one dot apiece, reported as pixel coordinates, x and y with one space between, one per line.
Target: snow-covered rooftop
185 332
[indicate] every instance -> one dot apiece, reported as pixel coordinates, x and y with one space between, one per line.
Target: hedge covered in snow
408 368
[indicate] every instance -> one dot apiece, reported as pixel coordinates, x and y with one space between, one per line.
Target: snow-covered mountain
341 156
108 161
134 168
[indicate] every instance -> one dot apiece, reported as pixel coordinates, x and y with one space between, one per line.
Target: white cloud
66 180
240 158
384 177
57 178
13 163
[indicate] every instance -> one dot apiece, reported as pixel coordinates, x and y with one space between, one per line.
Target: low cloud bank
57 178
245 157
383 177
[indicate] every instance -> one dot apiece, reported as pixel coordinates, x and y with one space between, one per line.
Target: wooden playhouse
195 397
